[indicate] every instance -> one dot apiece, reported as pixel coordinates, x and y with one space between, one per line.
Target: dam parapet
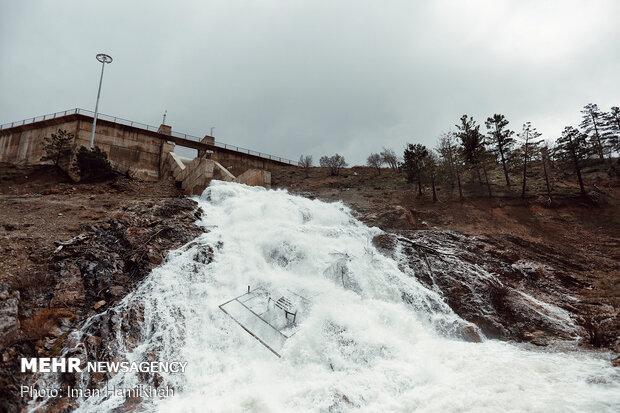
133 148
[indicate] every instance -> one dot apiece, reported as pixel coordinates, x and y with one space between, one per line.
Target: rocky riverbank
72 251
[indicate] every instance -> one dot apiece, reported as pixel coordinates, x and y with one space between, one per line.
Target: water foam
360 347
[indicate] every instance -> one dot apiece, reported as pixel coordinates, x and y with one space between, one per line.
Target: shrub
595 332
305 162
41 323
92 165
375 161
334 163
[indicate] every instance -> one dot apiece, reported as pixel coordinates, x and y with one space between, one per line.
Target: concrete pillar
166 147
208 140
165 129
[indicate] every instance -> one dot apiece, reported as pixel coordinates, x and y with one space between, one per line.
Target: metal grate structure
271 318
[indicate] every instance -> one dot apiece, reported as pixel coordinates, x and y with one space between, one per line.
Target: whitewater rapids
358 348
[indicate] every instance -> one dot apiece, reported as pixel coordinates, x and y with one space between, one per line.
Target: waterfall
357 345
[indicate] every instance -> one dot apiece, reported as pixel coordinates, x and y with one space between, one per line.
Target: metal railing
121 121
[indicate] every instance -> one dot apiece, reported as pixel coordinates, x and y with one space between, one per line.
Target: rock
396 218
616 362
154 257
204 255
471 334
384 243
92 272
9 317
73 240
69 291
51 191
117 291
537 338
482 288
93 340
64 404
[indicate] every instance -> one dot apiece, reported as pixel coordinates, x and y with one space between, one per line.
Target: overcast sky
313 77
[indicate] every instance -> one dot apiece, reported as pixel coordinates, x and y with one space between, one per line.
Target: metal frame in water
263 317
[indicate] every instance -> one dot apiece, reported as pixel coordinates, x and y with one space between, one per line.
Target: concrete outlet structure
139 150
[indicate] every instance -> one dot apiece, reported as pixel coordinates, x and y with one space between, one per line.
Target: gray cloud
313 77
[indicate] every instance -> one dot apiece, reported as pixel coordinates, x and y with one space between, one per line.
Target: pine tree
572 145
613 117
92 165
500 138
544 153
486 161
592 124
612 129
414 158
529 147
471 143
430 167
58 146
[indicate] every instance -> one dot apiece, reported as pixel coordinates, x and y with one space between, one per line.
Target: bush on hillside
92 165
334 163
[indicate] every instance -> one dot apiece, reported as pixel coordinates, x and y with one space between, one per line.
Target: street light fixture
103 58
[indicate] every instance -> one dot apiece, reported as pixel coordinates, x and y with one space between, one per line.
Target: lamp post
103 58
213 127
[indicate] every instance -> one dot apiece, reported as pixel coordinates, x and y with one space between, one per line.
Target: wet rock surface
82 276
565 253
509 288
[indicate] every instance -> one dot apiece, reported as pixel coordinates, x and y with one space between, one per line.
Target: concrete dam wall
138 149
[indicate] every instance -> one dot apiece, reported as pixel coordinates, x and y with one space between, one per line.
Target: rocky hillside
564 250
71 250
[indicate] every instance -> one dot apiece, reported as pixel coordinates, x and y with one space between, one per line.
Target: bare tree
389 157
305 161
335 163
375 161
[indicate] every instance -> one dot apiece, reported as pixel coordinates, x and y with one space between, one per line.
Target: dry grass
42 322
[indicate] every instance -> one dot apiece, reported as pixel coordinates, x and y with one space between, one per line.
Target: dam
133 148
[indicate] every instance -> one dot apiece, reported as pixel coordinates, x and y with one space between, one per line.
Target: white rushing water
358 346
